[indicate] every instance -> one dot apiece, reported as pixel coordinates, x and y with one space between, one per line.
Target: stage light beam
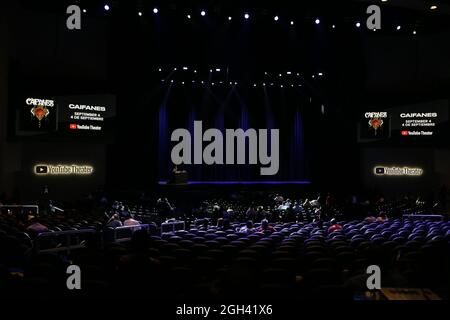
155 10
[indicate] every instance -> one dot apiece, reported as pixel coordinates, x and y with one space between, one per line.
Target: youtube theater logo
74 126
62 170
397 171
405 133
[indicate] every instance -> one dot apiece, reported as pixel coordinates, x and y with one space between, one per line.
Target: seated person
334 226
382 217
204 225
35 227
370 219
124 212
248 228
265 227
228 214
131 222
223 224
114 221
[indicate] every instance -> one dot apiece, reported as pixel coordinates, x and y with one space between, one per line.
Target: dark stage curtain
231 108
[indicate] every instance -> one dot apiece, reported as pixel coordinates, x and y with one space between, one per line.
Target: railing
423 216
116 232
172 226
68 246
15 208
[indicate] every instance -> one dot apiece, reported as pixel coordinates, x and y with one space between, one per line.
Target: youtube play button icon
41 169
73 126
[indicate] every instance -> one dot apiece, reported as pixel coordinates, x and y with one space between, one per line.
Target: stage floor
206 183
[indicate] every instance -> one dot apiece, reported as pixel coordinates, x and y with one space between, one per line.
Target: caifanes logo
381 115
40 108
62 170
235 147
376 120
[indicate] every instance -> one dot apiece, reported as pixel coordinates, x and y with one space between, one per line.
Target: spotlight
264 84
195 71
84 10
171 81
174 69
217 69
281 86
202 82
254 85
317 21
292 23
292 85
212 83
106 7
246 16
320 74
182 82
203 13
279 75
333 26
358 24
231 83
229 18
271 84
210 70
188 16
162 80
275 18
155 10
235 83
193 81
185 68
288 72
399 28
140 14
159 69
220 82
414 32
433 7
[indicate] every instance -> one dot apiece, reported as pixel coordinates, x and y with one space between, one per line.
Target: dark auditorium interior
205 151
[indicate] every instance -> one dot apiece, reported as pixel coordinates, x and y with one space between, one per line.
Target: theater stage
222 183
226 188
